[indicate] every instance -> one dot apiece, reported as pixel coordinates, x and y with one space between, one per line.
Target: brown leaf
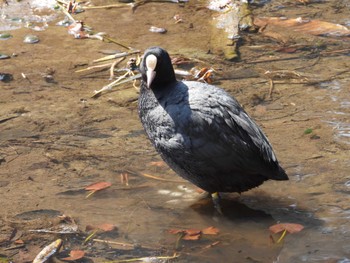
104 227
74 255
19 242
192 232
188 234
289 227
186 231
192 237
158 164
97 186
199 190
312 27
107 227
176 231
210 231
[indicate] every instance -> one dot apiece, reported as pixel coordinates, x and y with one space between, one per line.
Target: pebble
31 39
159 30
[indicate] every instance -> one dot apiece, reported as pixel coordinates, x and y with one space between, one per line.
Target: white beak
150 77
151 63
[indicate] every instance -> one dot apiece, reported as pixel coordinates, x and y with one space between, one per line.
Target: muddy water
55 140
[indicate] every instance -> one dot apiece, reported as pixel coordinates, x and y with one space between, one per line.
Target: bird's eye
151 62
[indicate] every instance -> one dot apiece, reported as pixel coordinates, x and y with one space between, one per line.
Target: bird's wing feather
221 131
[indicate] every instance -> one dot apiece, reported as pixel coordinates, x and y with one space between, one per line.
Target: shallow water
55 140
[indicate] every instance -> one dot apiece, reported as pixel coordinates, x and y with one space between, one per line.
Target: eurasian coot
201 131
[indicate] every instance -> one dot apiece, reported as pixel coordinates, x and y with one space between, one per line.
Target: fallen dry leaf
313 27
74 255
210 231
158 164
192 237
194 234
188 234
107 227
19 242
289 227
104 227
98 186
185 231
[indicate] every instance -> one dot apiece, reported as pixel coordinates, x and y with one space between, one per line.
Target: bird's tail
281 174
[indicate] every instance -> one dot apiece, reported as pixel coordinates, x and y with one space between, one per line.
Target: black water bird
201 131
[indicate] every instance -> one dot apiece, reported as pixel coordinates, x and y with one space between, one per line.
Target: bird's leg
216 200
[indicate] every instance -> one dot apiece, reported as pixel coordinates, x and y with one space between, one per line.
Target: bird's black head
156 68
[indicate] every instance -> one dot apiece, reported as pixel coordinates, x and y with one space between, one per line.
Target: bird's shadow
261 208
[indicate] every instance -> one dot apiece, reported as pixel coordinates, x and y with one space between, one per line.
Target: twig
118 43
118 55
105 6
90 236
282 236
274 60
94 67
335 51
9 118
123 244
146 259
280 117
15 247
160 179
66 12
90 193
114 84
272 85
115 63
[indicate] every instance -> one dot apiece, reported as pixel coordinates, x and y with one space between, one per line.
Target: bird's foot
216 201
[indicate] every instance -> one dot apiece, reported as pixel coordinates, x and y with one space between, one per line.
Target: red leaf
312 27
188 234
158 164
289 227
210 231
97 186
74 255
176 231
191 237
104 227
192 232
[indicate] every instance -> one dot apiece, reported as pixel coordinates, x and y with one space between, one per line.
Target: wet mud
55 140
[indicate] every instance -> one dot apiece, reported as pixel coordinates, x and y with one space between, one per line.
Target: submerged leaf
74 255
104 227
313 27
192 237
194 234
289 227
158 164
98 186
210 231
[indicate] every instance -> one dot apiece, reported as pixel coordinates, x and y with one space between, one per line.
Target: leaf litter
308 26
285 228
74 255
194 234
93 188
